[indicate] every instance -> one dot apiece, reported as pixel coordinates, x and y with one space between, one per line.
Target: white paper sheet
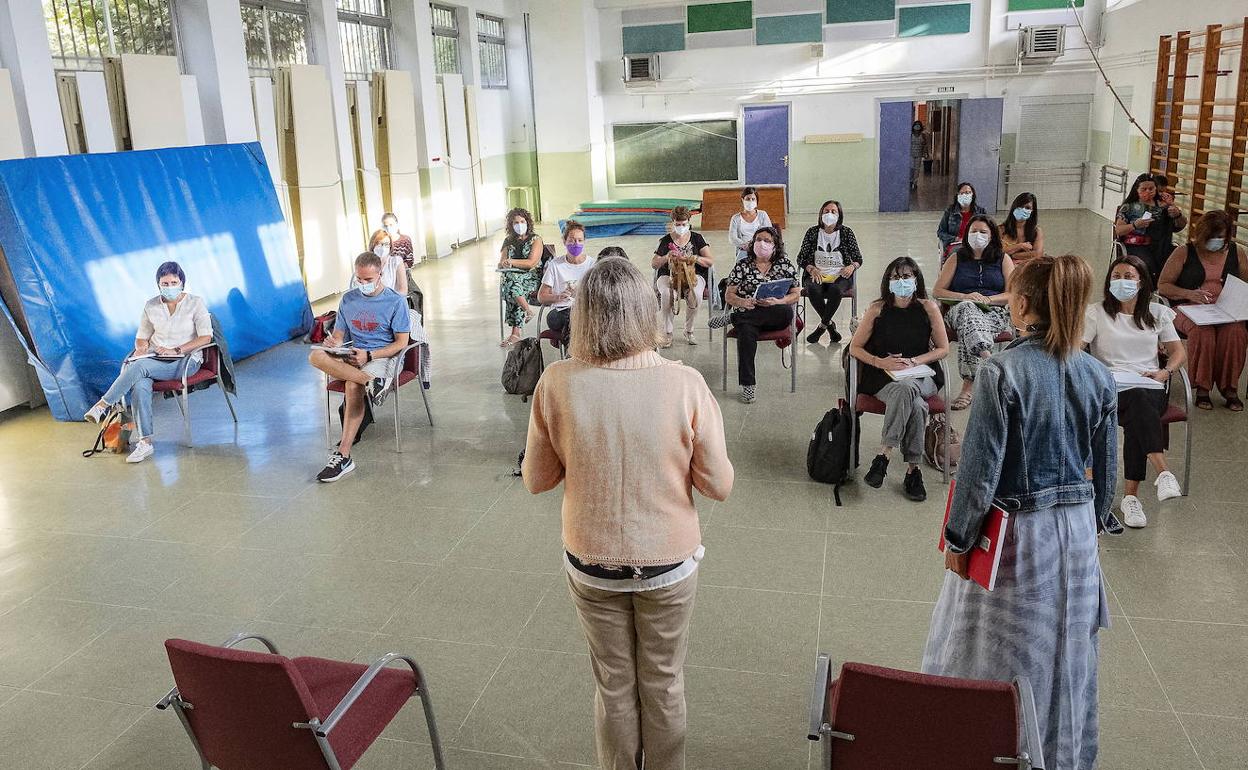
1128 380
1232 305
913 373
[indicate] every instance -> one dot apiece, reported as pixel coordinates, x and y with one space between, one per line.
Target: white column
210 39
25 53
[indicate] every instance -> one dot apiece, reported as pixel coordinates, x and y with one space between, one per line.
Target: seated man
558 287
374 320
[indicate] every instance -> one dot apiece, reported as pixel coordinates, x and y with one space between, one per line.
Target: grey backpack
523 367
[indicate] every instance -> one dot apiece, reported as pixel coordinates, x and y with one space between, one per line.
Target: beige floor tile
347 593
234 582
1126 679
765 559
1198 664
898 632
155 742
40 730
508 540
868 566
1221 743
1143 740
555 624
787 505
761 631
210 519
1178 586
470 605
41 633
740 721
411 534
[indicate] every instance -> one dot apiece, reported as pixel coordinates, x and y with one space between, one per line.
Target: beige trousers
637 647
692 299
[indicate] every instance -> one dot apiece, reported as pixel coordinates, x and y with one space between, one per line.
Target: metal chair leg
1187 458
793 352
228 403
724 385
328 409
186 419
439 762
398 437
425 397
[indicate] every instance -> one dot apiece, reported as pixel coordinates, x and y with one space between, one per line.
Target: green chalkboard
657 153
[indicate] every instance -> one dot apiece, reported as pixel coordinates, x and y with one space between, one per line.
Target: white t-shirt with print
1121 345
560 272
828 256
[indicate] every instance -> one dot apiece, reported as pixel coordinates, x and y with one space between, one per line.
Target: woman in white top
393 269
1124 332
746 222
173 326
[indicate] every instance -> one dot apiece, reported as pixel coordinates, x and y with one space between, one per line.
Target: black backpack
832 443
523 367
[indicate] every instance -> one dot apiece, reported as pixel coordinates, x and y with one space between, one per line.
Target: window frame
106 35
447 33
293 7
486 39
363 19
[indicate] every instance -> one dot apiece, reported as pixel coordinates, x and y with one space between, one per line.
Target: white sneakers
1167 486
142 451
690 339
1133 512
96 413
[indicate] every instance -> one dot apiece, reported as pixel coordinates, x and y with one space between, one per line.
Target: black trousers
826 298
560 321
748 325
1139 414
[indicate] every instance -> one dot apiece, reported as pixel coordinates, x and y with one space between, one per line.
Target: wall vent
1045 42
641 69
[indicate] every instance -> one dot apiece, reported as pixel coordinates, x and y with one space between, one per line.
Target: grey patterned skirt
1040 622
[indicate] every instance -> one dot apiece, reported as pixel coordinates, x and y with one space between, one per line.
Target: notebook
1232 305
774 289
986 555
912 373
1128 380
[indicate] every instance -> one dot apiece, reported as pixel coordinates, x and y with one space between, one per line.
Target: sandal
511 340
1202 401
1233 403
961 402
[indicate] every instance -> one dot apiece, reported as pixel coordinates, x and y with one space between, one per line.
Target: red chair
555 338
864 404
248 710
783 339
1176 413
209 371
872 718
409 372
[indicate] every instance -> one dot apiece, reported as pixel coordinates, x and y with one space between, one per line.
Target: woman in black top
828 258
900 330
682 243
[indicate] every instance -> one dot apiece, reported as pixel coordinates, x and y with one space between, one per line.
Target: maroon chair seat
873 717
1174 413
209 371
248 710
865 404
782 337
409 372
555 338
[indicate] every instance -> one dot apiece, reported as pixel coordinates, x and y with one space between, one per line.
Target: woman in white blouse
1125 332
174 325
393 270
746 222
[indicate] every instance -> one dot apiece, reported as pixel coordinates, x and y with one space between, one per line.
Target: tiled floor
440 552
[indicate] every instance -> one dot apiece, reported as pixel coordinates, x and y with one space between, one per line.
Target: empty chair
872 718
248 710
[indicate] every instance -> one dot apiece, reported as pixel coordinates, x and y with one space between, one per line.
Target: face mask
979 241
381 250
1124 289
829 219
368 288
1022 215
750 205
1215 244
575 249
964 199
393 230
681 229
520 228
903 287
764 249
170 293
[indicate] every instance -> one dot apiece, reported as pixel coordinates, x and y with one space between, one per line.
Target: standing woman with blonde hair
1044 413
631 435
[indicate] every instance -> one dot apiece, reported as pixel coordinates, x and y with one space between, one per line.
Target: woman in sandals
1195 273
974 282
520 263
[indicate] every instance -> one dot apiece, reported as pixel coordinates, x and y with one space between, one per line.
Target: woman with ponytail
1044 413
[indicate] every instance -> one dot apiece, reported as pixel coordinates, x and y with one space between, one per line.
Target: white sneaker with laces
96 413
690 339
1167 486
1133 512
142 451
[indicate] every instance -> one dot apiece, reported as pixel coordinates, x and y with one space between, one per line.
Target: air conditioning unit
641 69
1042 42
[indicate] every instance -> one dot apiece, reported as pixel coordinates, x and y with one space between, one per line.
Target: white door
463 219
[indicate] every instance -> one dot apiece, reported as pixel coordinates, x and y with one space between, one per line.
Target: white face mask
979 241
964 199
1124 289
382 250
829 219
681 229
749 204
520 228
1215 244
392 229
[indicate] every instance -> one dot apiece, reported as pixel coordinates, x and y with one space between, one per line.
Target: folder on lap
986 553
1232 306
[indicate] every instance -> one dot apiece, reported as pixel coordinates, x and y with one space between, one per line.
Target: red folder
986 554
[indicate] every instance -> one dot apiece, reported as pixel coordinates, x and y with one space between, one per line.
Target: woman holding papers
974 284
1144 223
173 326
1045 412
901 331
1196 274
828 258
765 263
1124 332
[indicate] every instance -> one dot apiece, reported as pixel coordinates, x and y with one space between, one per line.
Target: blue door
895 121
767 144
979 148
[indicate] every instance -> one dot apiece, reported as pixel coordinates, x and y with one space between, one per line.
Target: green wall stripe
654 38
716 17
842 11
923 20
1041 5
798 28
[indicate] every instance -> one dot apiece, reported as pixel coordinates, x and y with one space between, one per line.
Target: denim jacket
951 223
1037 424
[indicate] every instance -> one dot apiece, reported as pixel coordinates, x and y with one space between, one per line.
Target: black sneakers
337 467
377 390
875 476
913 486
814 336
833 335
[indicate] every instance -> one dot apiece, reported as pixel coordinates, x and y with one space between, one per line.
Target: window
275 33
493 51
364 34
445 40
82 32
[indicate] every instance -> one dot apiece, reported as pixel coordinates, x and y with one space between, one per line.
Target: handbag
115 430
934 443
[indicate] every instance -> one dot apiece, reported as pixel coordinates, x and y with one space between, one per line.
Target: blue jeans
136 379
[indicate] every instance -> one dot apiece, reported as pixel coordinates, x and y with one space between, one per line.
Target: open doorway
934 172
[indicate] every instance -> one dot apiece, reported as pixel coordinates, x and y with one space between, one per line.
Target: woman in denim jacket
1044 413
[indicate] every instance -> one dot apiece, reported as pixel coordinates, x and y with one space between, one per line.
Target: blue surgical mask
965 199
520 228
170 293
1022 214
1215 244
1124 289
367 288
903 287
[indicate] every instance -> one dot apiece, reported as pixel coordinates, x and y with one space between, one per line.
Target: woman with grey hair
631 435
